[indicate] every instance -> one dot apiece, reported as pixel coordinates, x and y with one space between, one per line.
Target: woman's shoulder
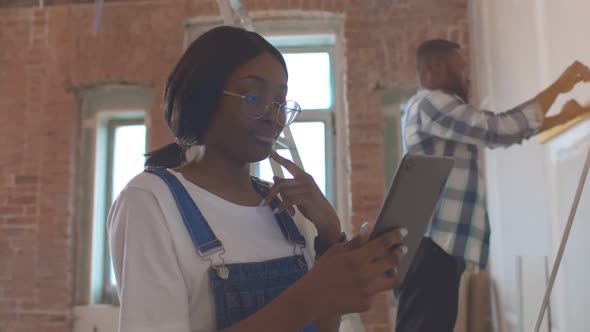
144 186
147 181
145 194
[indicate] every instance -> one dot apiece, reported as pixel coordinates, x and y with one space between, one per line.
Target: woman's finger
387 263
383 283
280 186
299 193
288 164
381 244
291 198
359 240
287 183
273 191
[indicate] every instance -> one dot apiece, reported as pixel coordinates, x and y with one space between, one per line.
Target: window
310 69
126 143
112 152
120 149
316 93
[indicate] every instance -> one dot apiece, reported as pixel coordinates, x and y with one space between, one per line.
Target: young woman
202 245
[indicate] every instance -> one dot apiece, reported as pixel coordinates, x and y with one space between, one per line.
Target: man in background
439 121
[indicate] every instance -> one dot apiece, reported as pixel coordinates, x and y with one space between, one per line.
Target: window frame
100 106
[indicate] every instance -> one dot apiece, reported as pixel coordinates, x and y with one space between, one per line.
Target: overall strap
286 223
196 225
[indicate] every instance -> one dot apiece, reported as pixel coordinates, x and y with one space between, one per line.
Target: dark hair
431 49
193 88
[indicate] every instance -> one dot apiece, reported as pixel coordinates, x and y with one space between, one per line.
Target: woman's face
231 131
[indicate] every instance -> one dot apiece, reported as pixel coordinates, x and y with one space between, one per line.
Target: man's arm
448 117
547 97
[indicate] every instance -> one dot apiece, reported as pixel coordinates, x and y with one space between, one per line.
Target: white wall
518 48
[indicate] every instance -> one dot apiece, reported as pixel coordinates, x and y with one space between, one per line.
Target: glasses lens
251 100
252 107
289 110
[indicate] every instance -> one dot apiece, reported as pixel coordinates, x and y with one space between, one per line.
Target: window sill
96 317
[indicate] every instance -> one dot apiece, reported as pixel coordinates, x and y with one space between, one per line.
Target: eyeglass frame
267 107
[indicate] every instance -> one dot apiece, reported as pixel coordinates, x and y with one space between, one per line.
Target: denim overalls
241 289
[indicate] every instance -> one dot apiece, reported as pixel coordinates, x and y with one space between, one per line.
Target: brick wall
47 54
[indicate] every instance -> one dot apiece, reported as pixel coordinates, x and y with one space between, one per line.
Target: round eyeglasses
255 109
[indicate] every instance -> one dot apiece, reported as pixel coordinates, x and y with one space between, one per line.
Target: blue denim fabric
250 286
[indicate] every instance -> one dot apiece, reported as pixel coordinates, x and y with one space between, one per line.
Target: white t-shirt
162 281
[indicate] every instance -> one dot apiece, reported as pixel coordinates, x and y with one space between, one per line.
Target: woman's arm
151 287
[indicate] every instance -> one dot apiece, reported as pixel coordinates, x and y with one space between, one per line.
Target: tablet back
411 200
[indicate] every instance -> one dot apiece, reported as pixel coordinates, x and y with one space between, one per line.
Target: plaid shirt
440 123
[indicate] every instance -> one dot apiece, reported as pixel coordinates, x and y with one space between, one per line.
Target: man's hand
571 110
574 74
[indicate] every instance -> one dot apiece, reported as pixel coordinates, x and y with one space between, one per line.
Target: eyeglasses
255 109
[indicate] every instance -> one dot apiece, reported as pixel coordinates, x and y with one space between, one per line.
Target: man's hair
431 49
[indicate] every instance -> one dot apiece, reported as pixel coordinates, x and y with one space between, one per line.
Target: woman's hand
303 192
347 277
342 281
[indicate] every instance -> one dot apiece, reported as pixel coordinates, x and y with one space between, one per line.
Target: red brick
40 13
22 199
19 221
26 179
40 23
11 210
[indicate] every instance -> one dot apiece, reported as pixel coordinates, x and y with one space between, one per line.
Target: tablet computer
411 200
